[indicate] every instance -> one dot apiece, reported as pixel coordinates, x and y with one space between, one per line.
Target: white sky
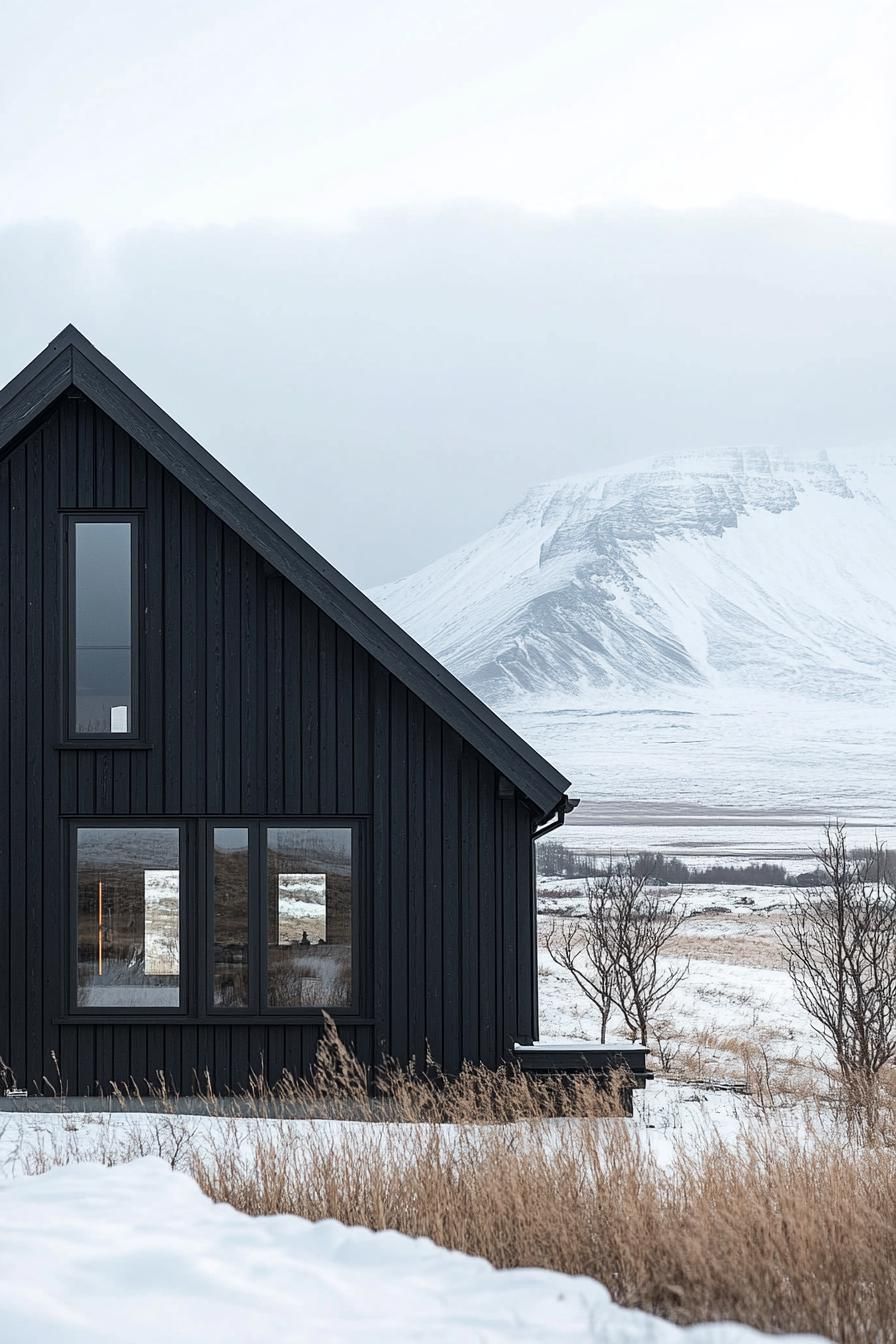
393 261
119 113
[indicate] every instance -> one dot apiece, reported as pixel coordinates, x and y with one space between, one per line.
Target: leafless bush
586 949
839 946
667 1046
613 953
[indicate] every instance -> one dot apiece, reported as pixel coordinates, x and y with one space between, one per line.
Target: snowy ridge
745 568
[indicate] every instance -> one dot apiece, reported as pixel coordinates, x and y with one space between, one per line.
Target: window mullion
257 916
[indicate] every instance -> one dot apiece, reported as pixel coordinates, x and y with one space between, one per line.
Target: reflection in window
128 917
103 627
309 875
231 917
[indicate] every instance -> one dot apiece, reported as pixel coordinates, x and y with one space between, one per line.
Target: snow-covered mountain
740 568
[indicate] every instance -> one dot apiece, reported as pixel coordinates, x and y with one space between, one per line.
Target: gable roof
71 361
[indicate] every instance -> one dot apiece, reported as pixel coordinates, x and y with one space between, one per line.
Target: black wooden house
233 794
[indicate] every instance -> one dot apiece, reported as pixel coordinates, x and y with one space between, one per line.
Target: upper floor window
104 663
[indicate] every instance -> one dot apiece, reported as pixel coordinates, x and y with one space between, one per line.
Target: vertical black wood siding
253 703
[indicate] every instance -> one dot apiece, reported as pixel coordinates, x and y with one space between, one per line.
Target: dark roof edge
71 360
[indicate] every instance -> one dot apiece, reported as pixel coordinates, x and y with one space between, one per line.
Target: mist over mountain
755 568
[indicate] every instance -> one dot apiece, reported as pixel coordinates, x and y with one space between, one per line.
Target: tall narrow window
103 627
128 917
309 917
231 916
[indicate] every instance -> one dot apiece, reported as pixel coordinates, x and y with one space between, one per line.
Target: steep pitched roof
71 361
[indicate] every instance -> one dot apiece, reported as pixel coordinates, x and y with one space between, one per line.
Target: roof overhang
70 361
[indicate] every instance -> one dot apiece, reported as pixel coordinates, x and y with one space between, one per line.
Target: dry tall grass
777 1231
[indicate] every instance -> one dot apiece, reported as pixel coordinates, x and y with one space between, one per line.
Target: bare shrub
585 948
613 952
667 1046
866 1106
839 946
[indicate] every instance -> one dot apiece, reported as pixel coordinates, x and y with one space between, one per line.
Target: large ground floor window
207 917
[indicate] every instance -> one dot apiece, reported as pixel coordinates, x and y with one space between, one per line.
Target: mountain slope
737 568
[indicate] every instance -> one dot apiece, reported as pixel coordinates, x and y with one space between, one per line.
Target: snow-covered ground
792 841
716 1019
717 747
736 1002
566 895
667 1114
746 1003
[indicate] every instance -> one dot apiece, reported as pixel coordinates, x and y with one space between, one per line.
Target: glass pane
128 917
231 917
103 690
103 626
309 917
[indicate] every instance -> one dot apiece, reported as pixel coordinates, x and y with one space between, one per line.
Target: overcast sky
394 261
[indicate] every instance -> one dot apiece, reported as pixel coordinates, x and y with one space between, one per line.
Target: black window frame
197 986
186 1007
257 826
69 732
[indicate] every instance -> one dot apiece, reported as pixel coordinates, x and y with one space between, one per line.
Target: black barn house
233 794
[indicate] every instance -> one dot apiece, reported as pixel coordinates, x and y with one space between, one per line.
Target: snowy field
566 896
717 1011
779 753
701 840
670 1116
736 1003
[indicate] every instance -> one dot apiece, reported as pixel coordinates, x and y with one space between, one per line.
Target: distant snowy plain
782 753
